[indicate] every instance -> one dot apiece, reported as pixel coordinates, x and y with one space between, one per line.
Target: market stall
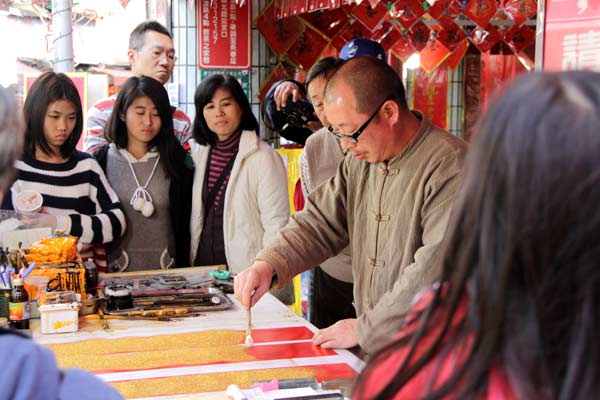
165 357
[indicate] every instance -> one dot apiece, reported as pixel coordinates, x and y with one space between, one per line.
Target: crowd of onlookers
456 272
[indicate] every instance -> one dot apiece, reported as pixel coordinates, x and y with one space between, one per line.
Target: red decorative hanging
307 48
381 31
481 11
419 35
430 94
434 53
484 39
519 37
369 16
521 10
391 38
403 47
353 31
407 12
445 12
298 6
457 55
279 34
497 70
451 36
503 21
338 42
329 23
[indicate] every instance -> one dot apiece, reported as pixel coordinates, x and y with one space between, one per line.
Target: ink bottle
18 306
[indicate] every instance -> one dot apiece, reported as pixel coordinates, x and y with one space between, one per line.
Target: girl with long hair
152 176
76 197
517 309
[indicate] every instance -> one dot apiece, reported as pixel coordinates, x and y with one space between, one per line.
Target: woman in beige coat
240 199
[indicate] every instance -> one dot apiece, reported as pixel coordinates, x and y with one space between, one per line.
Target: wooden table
199 357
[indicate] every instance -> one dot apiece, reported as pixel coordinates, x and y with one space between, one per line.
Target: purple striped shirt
220 155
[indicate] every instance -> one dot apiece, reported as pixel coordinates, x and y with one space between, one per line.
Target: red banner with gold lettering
430 94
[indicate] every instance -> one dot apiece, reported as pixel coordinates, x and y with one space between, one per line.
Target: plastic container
59 318
29 202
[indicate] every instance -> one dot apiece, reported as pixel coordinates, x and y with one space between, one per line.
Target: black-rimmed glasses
353 138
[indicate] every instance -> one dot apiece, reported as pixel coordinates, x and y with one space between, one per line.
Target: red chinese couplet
431 94
572 35
224 36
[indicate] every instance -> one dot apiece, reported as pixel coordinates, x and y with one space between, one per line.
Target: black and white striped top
77 193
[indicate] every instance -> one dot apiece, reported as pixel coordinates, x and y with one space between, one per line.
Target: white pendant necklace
141 200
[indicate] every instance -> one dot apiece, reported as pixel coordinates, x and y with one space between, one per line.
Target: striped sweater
218 158
77 193
98 114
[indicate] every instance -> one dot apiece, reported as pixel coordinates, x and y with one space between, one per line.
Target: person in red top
517 312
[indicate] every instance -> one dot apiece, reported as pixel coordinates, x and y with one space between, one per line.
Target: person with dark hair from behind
389 202
517 310
30 371
240 199
77 198
151 53
152 175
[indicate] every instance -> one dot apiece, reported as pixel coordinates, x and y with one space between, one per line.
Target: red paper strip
495 71
430 94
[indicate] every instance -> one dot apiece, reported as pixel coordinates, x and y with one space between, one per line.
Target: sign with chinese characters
242 76
224 36
572 35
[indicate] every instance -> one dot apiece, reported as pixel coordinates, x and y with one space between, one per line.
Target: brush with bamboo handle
249 340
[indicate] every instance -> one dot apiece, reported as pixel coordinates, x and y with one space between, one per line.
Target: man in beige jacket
390 202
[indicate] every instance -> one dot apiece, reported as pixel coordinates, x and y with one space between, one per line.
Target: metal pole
63 40
539 35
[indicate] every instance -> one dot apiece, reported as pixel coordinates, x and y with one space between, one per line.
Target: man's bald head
370 80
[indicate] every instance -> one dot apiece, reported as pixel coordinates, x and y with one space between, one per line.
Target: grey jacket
393 215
